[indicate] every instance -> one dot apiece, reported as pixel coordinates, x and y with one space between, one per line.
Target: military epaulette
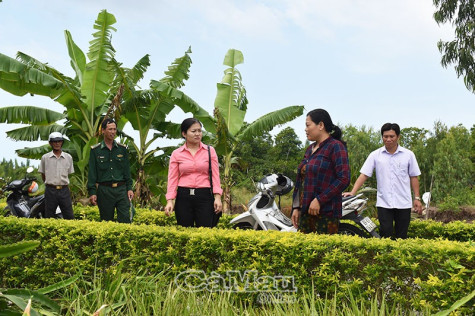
95 146
125 146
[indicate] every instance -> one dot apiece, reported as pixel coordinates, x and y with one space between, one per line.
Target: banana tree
147 111
86 98
230 108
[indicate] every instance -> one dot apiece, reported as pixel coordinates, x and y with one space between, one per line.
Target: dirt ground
464 214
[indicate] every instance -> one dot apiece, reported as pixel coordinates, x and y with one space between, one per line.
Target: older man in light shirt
55 168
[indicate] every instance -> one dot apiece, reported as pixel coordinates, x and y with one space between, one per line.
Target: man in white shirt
396 172
55 168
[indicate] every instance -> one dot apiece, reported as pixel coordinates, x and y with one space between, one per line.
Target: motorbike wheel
243 226
7 212
348 229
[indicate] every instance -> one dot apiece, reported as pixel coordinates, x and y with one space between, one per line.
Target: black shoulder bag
215 217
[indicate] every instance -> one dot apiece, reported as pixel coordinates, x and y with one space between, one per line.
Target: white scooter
263 213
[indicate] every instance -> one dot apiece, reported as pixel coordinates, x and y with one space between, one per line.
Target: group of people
109 182
194 187
324 174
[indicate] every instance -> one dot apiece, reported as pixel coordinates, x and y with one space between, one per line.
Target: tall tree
461 51
146 112
230 108
360 142
287 153
454 171
86 98
252 161
416 139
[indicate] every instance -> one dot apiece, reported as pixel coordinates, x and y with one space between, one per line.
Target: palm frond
97 77
128 78
69 96
20 79
122 79
137 72
177 73
231 99
78 59
187 104
168 129
32 62
33 152
35 132
29 115
267 122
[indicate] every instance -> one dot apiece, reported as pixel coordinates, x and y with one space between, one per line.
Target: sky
367 62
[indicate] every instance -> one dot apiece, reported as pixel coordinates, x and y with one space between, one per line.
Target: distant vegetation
446 157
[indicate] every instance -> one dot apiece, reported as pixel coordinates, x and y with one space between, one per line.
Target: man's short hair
390 126
107 120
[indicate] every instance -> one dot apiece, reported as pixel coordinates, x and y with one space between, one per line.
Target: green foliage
85 98
457 305
461 51
360 143
445 157
463 197
456 231
231 101
230 108
261 155
14 300
154 294
453 170
416 273
12 170
287 153
428 229
253 161
101 87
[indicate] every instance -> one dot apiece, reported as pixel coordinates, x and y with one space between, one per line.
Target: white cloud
372 34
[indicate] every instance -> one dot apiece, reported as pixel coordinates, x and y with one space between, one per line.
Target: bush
456 231
457 199
417 273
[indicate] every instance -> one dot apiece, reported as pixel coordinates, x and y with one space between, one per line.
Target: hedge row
419 273
457 231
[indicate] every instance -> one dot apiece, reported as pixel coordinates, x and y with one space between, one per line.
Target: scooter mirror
29 170
426 198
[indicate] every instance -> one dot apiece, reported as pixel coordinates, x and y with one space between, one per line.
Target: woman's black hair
107 120
390 126
186 124
320 115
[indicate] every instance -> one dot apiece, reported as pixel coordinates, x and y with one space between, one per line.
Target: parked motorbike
264 214
19 201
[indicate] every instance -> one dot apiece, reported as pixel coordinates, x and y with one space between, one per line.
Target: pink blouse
192 172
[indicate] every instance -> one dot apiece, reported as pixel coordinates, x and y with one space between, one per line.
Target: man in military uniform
109 183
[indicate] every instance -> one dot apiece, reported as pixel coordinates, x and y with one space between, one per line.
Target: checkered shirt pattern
324 175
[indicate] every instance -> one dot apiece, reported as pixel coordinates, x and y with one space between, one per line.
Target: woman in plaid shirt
323 175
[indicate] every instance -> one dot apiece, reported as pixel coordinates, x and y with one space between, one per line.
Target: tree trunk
227 205
142 192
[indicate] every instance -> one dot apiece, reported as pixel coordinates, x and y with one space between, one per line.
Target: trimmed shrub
457 231
418 273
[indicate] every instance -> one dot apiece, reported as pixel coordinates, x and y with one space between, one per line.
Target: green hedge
457 231
418 273
429 229
142 216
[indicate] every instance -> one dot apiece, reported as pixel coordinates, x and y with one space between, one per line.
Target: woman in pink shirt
197 204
